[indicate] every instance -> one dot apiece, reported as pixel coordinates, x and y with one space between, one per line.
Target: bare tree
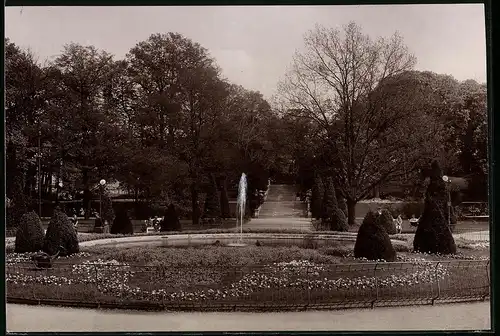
342 82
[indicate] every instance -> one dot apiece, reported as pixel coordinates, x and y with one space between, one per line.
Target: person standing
74 220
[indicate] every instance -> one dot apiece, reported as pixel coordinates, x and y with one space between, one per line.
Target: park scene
153 182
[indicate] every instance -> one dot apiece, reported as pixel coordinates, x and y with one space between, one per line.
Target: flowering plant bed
209 277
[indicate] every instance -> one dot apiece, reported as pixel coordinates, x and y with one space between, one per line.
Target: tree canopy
163 120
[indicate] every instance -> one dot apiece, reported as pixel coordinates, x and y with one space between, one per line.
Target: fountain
240 208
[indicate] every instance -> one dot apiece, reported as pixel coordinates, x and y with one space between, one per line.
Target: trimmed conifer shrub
433 234
372 241
60 233
317 194
341 202
387 221
122 223
29 235
170 220
332 217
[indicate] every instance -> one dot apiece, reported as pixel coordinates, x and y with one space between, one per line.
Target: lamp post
101 187
447 180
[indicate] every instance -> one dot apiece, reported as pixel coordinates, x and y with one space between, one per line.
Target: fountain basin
236 244
233 239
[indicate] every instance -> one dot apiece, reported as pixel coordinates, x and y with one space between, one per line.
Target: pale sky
254 44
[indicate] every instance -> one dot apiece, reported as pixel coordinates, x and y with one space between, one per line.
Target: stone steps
282 202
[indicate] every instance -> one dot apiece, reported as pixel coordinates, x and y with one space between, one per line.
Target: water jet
240 209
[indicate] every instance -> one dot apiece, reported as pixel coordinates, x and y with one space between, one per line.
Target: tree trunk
30 181
351 211
86 193
195 208
376 191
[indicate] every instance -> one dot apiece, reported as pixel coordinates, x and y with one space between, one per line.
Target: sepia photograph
246 168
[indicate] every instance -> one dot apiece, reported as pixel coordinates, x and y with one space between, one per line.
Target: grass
262 275
212 256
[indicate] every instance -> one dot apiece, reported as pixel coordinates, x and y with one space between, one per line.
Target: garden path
461 316
281 211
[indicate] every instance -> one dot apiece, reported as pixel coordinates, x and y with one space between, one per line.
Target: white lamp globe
446 178
102 182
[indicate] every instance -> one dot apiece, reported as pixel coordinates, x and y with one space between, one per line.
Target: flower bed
250 275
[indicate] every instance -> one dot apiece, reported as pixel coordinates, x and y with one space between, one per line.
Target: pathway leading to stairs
281 210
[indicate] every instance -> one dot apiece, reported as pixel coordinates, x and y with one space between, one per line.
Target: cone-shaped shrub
387 221
29 235
212 209
433 234
60 233
225 210
170 220
373 242
122 223
342 203
332 217
317 194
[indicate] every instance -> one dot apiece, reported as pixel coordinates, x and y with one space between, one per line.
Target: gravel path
468 316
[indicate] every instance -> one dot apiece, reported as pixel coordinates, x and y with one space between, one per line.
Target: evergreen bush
387 221
317 194
372 241
122 223
60 233
341 202
170 220
332 217
433 234
29 235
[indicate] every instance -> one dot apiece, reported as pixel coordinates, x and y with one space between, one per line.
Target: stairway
281 203
281 211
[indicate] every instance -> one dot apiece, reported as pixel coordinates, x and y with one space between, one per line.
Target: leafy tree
29 234
180 89
433 234
60 233
372 241
454 112
340 84
25 106
87 139
122 223
170 220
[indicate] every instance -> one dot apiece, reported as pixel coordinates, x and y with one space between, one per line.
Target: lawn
250 275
